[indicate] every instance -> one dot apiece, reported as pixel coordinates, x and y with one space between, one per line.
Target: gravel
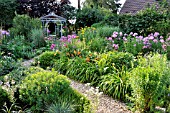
106 104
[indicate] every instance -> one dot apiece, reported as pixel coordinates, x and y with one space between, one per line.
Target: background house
133 6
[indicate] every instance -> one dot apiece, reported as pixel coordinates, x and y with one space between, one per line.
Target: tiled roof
133 6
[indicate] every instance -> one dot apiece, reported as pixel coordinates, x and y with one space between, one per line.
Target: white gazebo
53 22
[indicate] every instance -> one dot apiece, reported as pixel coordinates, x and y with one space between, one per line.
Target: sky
74 2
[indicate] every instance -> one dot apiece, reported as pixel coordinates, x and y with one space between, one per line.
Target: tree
7 12
112 5
38 8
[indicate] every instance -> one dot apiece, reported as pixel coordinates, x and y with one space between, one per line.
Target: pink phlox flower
162 40
74 36
144 47
125 34
131 33
121 34
151 37
110 38
114 35
52 46
164 47
115 46
135 34
156 34
161 37
124 38
168 39
155 41
65 45
134 45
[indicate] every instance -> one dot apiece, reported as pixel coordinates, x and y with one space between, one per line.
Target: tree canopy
112 5
7 12
38 8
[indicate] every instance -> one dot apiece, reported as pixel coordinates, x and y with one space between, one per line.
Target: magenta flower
115 46
52 46
48 31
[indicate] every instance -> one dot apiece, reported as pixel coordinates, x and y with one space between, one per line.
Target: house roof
133 6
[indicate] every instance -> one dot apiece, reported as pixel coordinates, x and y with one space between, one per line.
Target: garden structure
52 24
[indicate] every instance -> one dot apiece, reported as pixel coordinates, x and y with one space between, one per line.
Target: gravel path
101 103
106 104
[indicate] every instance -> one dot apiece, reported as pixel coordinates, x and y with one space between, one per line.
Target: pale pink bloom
155 40
164 47
110 38
131 33
116 46
124 38
162 40
114 35
151 37
121 34
135 34
161 37
156 34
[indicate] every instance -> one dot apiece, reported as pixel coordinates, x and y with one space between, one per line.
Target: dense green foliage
38 38
88 16
4 97
42 88
149 82
8 8
47 58
23 24
45 88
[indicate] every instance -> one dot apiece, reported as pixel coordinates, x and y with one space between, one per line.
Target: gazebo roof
52 17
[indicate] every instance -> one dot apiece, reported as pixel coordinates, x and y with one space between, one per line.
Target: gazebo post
61 30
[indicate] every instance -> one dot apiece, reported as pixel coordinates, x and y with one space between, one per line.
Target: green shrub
88 16
4 97
149 82
7 64
23 24
47 58
142 21
38 38
97 45
42 88
113 61
106 31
